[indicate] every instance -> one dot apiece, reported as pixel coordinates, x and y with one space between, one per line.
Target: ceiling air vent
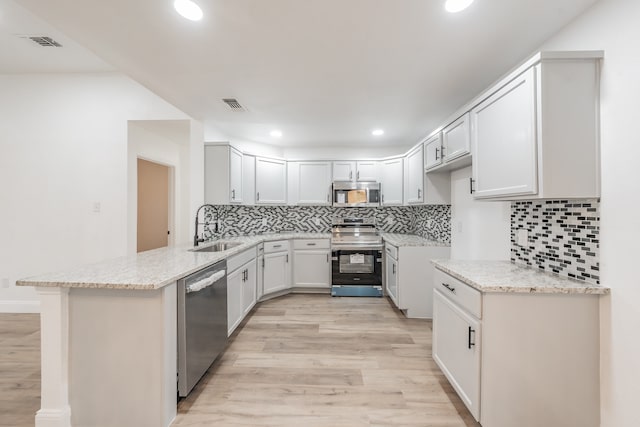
233 104
43 41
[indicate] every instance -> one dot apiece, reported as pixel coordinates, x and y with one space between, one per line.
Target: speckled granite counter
152 269
398 239
505 276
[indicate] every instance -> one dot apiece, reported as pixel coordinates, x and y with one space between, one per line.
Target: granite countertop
399 239
505 276
153 269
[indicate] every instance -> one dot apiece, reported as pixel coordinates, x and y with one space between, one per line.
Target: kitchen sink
218 247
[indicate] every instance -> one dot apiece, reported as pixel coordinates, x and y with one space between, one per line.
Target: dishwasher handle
206 282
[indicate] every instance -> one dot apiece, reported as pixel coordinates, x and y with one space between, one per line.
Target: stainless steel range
356 257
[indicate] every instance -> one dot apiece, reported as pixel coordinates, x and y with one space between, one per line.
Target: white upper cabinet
367 171
414 191
433 151
355 171
271 181
536 134
391 181
456 141
222 174
504 159
248 179
344 171
309 183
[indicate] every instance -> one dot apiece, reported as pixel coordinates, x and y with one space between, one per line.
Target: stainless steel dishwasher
202 323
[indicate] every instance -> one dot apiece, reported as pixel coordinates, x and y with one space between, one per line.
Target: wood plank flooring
299 360
19 369
317 361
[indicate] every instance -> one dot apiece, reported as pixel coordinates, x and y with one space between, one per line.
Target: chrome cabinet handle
258 196
358 175
233 194
394 268
277 246
471 189
419 193
287 258
469 343
327 257
311 244
350 174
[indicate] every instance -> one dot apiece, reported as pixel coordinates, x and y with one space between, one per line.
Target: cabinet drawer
237 261
276 246
391 250
311 244
460 293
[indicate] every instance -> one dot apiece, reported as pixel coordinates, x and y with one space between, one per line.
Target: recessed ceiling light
276 133
188 9
454 6
377 132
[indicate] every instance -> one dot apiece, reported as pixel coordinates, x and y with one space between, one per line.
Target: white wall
479 229
614 26
63 140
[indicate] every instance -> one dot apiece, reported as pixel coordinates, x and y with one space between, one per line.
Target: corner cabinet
536 135
309 183
223 175
414 190
271 181
277 267
392 173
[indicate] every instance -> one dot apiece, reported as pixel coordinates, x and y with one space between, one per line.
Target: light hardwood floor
299 360
19 369
317 361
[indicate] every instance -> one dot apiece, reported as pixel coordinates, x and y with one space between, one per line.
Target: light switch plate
522 237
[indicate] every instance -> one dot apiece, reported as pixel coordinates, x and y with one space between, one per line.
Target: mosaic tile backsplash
432 222
564 237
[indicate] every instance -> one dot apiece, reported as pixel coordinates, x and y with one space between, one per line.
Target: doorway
153 205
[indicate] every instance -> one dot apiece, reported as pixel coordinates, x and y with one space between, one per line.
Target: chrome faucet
196 239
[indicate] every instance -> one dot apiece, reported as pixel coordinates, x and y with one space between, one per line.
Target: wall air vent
233 104
43 41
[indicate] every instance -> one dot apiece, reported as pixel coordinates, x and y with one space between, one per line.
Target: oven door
356 267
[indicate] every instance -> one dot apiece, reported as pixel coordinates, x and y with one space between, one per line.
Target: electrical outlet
522 237
6 282
264 222
459 226
390 221
316 220
95 207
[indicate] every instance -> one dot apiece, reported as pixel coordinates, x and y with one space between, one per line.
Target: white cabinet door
235 176
260 277
456 139
392 278
344 171
314 183
234 299
456 349
271 181
248 179
392 173
367 171
312 268
433 151
415 176
277 274
504 140
249 287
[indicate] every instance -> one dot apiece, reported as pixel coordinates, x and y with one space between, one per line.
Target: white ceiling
325 72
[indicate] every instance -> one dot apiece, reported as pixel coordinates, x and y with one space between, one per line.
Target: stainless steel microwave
355 194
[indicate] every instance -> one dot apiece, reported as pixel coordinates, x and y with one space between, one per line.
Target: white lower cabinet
312 263
241 287
409 277
260 272
519 359
277 267
456 349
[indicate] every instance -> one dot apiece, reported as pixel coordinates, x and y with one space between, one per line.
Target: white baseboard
20 306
